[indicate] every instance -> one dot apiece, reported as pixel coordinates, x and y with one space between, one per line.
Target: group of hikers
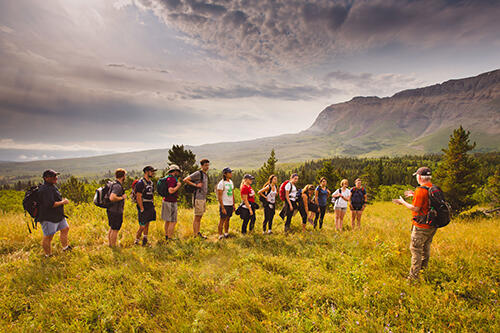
310 201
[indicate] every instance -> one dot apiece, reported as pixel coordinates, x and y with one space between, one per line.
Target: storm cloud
280 34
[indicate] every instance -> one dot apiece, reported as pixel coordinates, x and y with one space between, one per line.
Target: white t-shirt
271 196
341 203
227 188
293 191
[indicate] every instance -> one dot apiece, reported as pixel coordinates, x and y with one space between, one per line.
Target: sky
89 77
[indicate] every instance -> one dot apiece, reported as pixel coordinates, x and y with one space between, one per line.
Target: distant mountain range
410 122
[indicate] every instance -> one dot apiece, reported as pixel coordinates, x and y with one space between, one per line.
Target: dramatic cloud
273 91
281 34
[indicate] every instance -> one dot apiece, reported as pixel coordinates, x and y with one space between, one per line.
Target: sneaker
221 237
68 248
137 242
269 232
264 232
201 236
226 235
144 241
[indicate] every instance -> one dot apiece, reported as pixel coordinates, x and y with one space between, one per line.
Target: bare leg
353 219
171 229
64 237
139 232
221 225
226 225
46 244
196 225
113 235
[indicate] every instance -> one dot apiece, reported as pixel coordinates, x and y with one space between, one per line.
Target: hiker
288 194
199 180
169 204
421 234
225 195
306 205
358 203
321 195
341 199
51 214
146 212
115 209
267 196
248 203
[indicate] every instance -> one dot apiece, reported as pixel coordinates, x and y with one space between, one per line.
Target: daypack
31 204
439 214
283 191
357 196
334 200
101 196
162 187
133 195
263 199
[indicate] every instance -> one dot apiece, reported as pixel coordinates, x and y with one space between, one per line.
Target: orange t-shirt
421 199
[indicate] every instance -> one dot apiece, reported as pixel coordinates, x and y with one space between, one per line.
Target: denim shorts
50 228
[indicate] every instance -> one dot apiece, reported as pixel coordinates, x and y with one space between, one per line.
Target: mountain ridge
411 121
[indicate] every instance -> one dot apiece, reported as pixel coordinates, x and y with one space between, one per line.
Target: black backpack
439 214
101 196
357 195
31 204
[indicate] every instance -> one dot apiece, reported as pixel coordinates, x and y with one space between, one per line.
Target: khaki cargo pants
420 248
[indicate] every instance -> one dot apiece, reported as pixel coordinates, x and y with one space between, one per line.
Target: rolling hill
411 121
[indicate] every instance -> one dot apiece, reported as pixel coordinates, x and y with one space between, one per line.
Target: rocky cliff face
473 102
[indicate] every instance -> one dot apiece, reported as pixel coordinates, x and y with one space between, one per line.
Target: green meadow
318 281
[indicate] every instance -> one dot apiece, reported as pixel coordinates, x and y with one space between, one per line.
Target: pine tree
456 173
184 158
331 174
267 169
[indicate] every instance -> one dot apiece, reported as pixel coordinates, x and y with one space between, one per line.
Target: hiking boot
226 235
221 237
137 242
201 236
144 241
269 232
67 248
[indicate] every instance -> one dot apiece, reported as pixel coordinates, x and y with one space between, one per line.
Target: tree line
466 178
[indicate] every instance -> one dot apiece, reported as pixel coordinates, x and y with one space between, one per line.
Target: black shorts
357 207
115 220
148 215
229 212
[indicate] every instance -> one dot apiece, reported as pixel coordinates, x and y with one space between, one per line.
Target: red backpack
283 191
133 195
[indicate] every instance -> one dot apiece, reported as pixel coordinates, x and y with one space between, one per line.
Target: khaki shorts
199 207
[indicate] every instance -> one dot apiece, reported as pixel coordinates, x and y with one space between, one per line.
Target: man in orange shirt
422 233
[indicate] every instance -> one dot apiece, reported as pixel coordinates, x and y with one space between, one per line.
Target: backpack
263 199
283 191
31 204
439 214
133 195
162 187
101 196
334 200
193 189
357 197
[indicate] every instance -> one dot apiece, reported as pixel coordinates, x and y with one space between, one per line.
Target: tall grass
317 281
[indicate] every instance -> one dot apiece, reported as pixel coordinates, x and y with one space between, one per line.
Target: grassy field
317 281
